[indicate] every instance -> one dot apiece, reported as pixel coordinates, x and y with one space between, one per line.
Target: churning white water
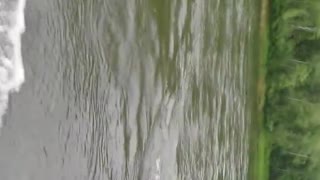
11 67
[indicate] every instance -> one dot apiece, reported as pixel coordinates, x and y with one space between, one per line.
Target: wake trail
12 25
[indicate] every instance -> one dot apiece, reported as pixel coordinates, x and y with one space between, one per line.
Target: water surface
141 90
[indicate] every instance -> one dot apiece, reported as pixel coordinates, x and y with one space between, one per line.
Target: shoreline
259 137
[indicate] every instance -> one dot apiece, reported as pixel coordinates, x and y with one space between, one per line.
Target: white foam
12 25
158 169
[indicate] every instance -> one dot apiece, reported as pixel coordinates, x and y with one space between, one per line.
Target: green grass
259 169
259 137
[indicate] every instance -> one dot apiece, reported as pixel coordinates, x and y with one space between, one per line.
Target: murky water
137 90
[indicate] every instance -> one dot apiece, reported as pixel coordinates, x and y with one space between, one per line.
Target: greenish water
141 89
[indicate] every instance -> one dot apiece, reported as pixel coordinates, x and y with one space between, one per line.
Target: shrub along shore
290 132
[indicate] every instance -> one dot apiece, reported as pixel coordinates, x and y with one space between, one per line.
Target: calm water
131 89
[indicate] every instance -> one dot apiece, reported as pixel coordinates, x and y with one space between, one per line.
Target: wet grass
259 137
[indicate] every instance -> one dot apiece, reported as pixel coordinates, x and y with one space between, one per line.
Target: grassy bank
259 138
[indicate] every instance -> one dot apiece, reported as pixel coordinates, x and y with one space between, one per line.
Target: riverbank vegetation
259 138
292 107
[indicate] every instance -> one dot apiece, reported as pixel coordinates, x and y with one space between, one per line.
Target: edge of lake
259 150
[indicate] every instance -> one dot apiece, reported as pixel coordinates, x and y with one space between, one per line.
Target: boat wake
11 66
